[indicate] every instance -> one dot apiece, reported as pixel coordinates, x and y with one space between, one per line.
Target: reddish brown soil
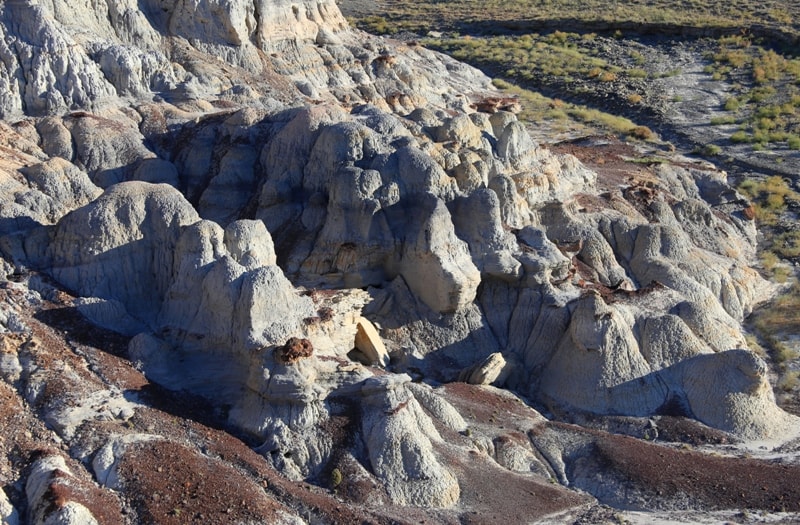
667 477
199 472
485 405
65 488
490 493
173 484
609 158
715 481
684 430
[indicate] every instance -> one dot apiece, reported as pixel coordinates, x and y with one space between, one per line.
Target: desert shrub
787 244
642 133
772 266
638 58
336 478
375 24
749 188
740 137
783 352
780 316
733 58
769 260
755 346
789 380
770 197
780 15
768 67
769 112
727 119
634 98
732 104
608 76
777 136
558 37
759 95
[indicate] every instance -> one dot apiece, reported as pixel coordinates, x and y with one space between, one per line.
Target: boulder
491 371
131 229
731 391
56 138
294 350
108 147
411 473
49 477
250 244
598 366
435 263
67 187
369 343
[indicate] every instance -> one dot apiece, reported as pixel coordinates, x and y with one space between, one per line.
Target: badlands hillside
261 267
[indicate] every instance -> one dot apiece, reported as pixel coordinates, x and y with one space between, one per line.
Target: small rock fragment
293 351
492 370
369 343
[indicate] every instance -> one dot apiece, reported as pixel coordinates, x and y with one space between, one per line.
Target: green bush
637 73
787 244
719 121
732 104
336 478
740 137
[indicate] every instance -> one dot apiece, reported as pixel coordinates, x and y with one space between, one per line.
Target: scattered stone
491 371
293 351
369 343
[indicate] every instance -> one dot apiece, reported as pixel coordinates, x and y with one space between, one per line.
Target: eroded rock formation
212 179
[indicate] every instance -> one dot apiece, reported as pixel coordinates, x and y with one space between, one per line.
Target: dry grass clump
772 323
733 15
768 80
537 108
530 56
768 92
771 198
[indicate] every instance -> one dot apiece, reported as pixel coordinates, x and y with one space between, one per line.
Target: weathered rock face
132 229
214 179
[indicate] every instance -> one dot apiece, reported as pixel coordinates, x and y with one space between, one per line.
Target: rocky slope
260 267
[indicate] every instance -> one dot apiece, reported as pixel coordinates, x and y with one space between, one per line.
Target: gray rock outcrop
132 229
411 471
45 474
213 179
